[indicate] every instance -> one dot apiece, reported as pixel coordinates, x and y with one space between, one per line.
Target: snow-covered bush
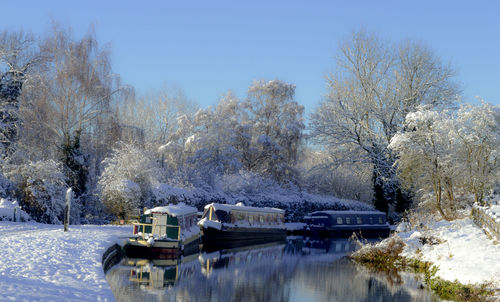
165 194
10 211
126 181
41 188
5 186
121 197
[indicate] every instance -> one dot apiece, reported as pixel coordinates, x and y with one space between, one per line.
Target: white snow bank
466 254
42 263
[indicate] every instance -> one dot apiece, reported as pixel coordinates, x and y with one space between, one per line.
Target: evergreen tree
75 163
379 200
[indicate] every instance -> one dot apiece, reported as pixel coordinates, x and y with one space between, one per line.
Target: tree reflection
296 271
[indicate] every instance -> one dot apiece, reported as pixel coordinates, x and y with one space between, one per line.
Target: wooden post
67 208
15 214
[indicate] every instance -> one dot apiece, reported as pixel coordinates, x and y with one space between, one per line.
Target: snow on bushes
41 188
126 180
10 211
256 191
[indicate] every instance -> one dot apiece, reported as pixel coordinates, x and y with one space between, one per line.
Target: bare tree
276 127
153 117
18 54
375 86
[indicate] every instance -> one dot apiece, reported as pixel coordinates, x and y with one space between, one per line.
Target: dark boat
343 224
229 226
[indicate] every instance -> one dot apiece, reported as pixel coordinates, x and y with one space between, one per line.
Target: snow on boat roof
348 212
241 207
179 209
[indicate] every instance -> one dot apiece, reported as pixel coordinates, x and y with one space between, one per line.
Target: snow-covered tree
426 154
375 86
76 87
321 174
18 54
152 119
206 142
41 188
446 153
477 131
276 127
127 179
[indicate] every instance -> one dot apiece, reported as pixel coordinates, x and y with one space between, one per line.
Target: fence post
67 208
15 214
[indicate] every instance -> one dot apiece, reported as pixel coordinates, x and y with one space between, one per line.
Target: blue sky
209 47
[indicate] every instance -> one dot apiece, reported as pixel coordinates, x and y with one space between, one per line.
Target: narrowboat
229 226
367 224
164 232
164 273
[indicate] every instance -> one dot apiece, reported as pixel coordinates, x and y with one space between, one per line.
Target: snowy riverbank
464 252
40 262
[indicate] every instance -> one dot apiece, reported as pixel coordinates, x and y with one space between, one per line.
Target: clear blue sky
209 47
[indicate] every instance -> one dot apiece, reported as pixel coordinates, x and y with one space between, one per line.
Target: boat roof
348 213
180 209
240 207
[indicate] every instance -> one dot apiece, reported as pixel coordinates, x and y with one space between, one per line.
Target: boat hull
237 237
160 249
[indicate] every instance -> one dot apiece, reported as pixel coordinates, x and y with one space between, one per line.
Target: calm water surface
299 270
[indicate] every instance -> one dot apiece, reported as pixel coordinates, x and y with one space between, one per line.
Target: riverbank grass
387 256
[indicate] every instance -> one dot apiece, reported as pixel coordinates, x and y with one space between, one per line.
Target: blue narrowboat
342 224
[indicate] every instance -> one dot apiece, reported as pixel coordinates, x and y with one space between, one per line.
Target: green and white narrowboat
164 232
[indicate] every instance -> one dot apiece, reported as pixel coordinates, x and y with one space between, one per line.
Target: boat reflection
241 257
298 270
159 273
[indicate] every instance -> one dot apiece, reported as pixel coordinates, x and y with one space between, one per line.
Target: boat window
371 220
380 220
339 220
359 220
348 220
241 217
261 219
222 215
250 218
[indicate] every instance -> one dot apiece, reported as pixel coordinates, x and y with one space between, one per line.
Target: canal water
298 270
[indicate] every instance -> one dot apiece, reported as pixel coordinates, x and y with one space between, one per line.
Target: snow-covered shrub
41 188
126 181
9 208
246 183
165 194
121 197
5 186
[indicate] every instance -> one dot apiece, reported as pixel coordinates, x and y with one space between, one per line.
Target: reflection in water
296 271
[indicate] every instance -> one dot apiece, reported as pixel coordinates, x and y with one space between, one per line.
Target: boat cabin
167 221
344 223
230 226
240 215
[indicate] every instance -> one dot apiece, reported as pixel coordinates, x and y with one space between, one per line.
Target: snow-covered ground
465 253
40 262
